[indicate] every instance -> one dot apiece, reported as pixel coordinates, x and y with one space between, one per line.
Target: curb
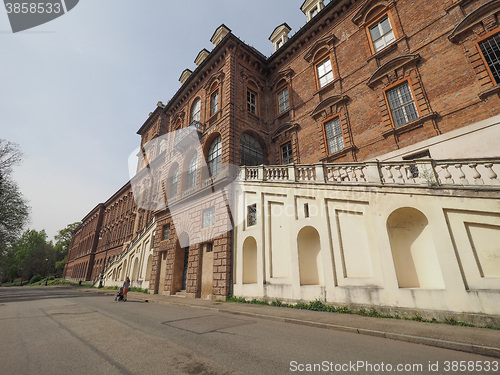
445 344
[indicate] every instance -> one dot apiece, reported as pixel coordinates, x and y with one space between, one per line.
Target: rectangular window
214 103
283 101
491 52
166 232
286 153
382 34
209 247
252 215
402 105
333 134
251 102
325 72
208 217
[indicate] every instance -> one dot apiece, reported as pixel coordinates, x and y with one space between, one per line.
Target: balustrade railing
419 172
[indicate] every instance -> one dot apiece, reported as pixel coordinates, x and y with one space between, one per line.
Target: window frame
378 20
174 177
283 89
251 105
332 118
213 104
208 214
191 172
214 157
196 102
252 152
321 61
252 215
281 151
163 229
477 42
394 86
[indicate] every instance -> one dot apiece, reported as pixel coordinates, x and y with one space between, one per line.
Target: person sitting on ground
126 286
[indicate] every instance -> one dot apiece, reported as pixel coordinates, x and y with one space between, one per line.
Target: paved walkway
468 339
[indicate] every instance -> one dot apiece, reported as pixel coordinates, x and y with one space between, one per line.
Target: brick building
103 234
385 80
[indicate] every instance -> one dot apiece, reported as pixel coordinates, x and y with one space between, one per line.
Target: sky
74 91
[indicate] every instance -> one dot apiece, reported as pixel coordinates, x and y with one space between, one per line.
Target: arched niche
250 261
413 250
148 268
309 251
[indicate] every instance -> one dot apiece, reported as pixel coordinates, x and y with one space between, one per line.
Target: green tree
14 210
61 247
30 255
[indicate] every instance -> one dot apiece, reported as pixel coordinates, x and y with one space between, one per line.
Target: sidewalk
468 339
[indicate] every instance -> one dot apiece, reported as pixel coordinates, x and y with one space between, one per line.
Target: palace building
358 164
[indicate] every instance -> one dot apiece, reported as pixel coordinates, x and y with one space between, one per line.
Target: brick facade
432 53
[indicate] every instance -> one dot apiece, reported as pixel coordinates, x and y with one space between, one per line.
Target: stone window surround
325 140
396 85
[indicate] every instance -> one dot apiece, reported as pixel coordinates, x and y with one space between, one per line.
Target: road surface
63 331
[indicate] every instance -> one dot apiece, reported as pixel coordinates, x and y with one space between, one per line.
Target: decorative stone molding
391 66
484 11
362 15
326 41
328 103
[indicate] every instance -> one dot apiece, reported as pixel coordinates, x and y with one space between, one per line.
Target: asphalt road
62 331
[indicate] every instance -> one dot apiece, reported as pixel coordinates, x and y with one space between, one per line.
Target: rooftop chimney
219 34
280 36
312 7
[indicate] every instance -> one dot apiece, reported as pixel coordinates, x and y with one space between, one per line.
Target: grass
53 282
369 312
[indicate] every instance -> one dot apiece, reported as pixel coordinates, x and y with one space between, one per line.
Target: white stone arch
124 270
135 270
413 250
148 268
309 252
250 261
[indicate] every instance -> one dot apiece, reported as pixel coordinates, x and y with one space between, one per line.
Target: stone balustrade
420 172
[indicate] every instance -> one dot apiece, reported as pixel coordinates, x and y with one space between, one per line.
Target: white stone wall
414 247
135 262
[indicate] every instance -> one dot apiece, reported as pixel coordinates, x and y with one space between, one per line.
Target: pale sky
75 91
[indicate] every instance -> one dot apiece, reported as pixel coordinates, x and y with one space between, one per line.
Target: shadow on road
25 294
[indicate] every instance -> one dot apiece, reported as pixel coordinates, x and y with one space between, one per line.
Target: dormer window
312 7
313 12
280 36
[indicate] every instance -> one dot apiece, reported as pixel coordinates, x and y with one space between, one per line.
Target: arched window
174 180
196 110
191 171
214 156
251 152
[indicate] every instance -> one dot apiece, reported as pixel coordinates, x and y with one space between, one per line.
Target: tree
14 210
61 247
30 255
